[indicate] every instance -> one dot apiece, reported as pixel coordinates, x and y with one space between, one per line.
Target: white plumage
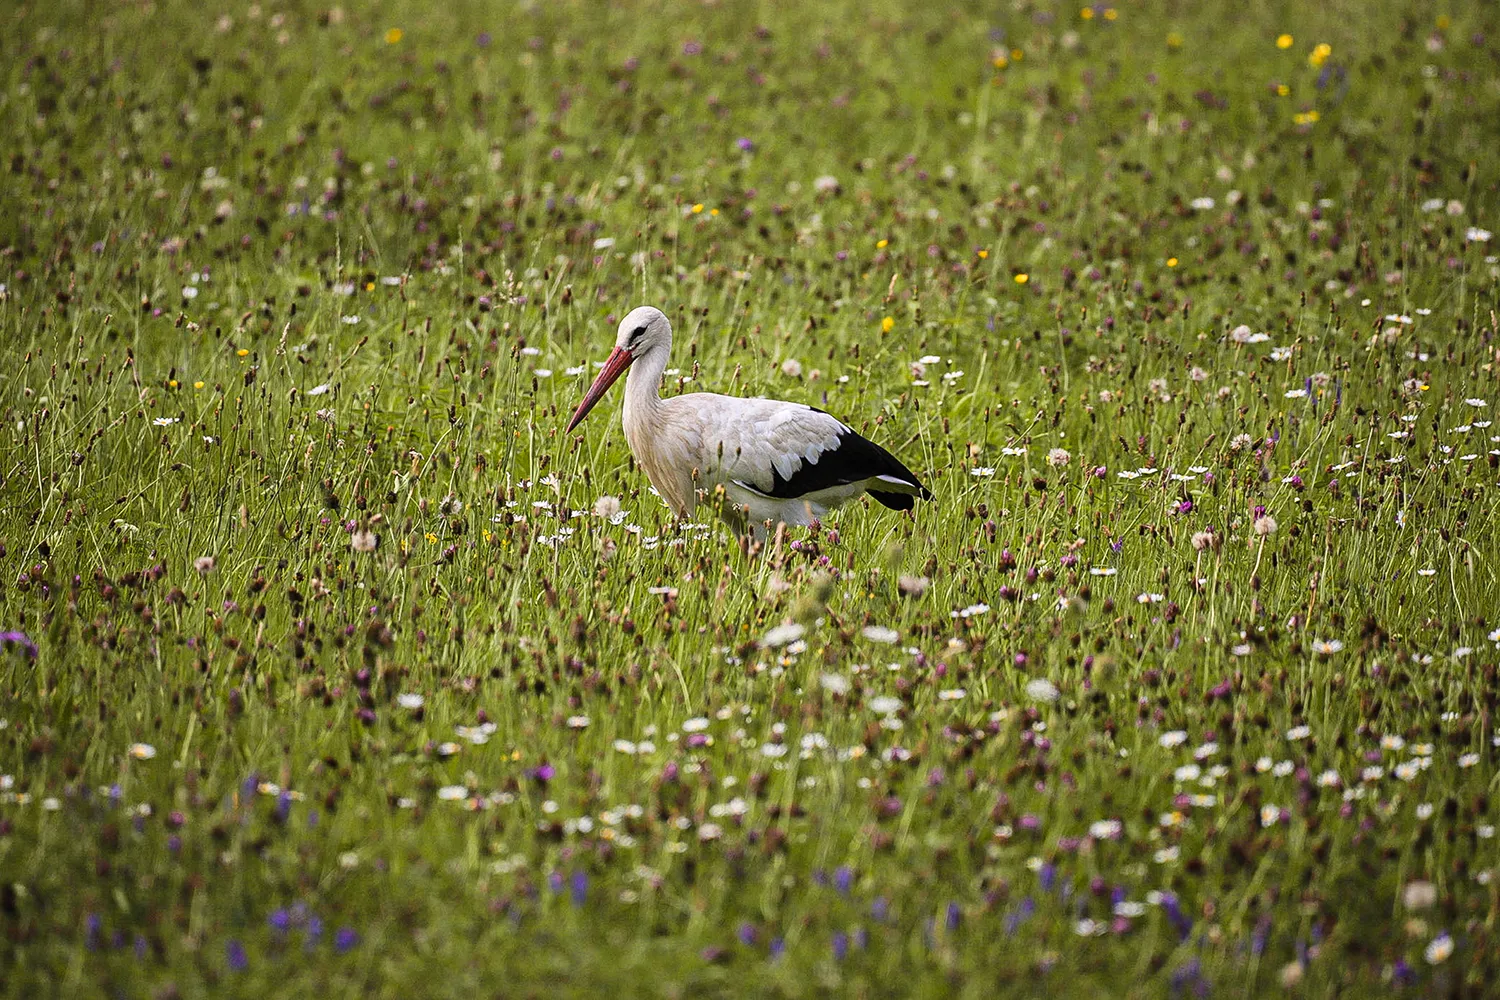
759 461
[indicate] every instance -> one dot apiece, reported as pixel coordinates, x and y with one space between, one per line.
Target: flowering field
332 666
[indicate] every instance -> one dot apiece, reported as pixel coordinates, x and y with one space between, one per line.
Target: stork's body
773 460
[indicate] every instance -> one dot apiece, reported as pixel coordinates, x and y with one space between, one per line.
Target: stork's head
643 331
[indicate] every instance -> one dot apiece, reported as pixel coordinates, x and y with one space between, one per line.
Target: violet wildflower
20 639
234 954
579 888
344 939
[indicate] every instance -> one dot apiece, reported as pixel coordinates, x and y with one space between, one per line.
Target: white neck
643 384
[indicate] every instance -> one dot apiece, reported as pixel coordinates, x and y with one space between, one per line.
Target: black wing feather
853 460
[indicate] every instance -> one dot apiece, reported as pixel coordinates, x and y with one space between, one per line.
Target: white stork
774 461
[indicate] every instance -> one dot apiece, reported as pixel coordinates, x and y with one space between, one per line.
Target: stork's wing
788 450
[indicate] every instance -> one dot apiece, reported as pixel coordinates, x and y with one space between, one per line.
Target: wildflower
1172 738
1270 815
879 633
142 751
1283 41
791 368
884 705
453 793
1319 54
203 565
607 507
1327 647
782 635
1058 457
363 540
916 586
1476 235
1419 895
410 701
393 35
1041 689
1264 525
836 684
1023 277
826 184
1298 733
1439 949
1468 760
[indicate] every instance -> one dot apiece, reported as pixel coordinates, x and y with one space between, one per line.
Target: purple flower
483 39
345 939
314 932
234 953
280 921
19 639
746 934
952 916
778 947
1173 910
880 909
92 924
1047 876
580 888
840 946
744 144
843 878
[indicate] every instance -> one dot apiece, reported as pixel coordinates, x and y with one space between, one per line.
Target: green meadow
331 666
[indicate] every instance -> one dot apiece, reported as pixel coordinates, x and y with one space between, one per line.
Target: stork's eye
636 333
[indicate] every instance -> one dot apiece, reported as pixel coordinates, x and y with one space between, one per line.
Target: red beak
614 367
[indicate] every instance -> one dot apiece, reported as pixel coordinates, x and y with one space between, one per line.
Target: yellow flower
242 352
1110 13
1022 278
1016 55
1087 13
713 211
197 385
1282 90
1171 261
1305 117
393 35
697 208
1284 41
1320 54
171 383
1443 21
1000 61
1174 40
983 254
431 538
886 324
882 244
369 286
